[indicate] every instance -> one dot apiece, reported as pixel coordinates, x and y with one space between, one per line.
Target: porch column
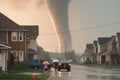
4 63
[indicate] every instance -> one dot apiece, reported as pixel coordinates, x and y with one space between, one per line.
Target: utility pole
65 52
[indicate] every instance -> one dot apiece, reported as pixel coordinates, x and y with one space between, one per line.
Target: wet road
86 73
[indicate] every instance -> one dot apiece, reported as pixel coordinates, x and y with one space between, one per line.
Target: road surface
86 73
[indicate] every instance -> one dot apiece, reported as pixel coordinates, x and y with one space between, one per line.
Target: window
20 36
15 53
21 56
14 36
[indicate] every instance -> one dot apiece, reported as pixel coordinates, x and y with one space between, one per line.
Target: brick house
14 35
32 34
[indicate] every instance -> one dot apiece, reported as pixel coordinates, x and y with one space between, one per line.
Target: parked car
64 66
36 63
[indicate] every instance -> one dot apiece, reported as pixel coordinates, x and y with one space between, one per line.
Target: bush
88 61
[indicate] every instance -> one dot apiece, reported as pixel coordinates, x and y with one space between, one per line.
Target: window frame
21 57
15 53
14 35
21 36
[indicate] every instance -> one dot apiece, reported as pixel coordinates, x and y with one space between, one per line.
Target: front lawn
18 74
14 76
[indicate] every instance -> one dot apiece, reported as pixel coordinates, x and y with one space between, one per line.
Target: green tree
46 55
71 56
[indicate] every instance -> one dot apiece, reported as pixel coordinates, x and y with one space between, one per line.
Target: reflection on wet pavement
86 73
91 77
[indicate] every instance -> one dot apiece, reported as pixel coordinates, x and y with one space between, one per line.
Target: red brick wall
17 45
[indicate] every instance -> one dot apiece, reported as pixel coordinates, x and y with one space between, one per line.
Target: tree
71 56
45 55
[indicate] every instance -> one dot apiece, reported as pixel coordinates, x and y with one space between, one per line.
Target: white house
3 56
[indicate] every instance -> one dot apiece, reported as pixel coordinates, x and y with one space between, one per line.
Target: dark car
64 66
36 63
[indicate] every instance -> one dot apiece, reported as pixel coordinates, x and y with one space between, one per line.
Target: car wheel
58 69
68 70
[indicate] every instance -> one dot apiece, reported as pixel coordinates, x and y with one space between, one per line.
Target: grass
15 74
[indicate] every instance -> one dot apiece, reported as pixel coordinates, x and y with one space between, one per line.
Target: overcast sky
88 20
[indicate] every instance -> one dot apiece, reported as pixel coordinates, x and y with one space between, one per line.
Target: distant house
118 45
111 54
88 54
102 49
3 56
83 58
118 41
32 34
14 35
95 52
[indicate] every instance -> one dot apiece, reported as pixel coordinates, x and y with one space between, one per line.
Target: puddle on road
68 74
30 73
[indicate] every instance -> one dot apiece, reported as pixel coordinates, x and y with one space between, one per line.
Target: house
14 35
32 34
118 41
102 49
88 54
95 52
111 54
90 51
118 45
83 58
3 56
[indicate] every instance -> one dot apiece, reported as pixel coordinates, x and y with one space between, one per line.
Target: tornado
58 11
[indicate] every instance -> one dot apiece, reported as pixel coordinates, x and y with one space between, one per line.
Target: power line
94 27
88 28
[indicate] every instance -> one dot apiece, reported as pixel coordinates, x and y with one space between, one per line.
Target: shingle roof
95 43
8 24
32 30
4 45
103 40
31 51
89 46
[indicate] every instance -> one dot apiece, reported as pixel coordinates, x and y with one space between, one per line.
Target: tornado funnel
58 11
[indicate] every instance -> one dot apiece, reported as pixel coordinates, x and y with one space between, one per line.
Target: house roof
4 45
95 43
32 30
89 46
118 36
31 51
8 24
103 40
